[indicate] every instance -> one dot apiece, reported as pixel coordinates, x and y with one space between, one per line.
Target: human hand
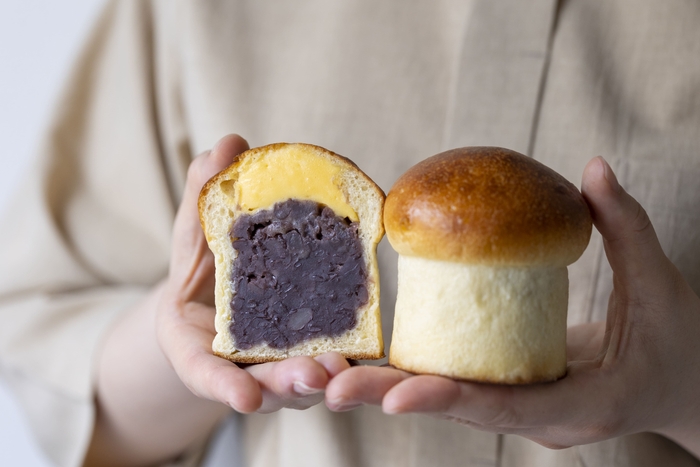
185 321
638 372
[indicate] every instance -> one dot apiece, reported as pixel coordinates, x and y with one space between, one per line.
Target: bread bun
484 236
294 230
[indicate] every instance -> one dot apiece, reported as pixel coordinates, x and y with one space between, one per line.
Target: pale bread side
481 323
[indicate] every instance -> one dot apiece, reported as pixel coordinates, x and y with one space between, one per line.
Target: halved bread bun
270 324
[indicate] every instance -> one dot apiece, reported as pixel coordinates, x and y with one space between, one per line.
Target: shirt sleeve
88 231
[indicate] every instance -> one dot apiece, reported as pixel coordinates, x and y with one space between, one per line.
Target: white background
39 40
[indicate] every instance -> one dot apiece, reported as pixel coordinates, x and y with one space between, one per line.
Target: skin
160 390
637 372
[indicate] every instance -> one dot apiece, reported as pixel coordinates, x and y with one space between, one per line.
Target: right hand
185 320
638 372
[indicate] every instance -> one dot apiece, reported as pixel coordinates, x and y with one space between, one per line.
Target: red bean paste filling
299 274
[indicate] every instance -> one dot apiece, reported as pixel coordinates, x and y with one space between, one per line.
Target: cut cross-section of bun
294 230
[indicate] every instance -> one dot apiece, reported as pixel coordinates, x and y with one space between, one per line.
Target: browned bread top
490 206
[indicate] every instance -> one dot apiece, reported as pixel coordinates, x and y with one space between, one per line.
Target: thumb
190 255
631 244
202 168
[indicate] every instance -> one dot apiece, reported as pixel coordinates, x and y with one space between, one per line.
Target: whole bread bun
294 230
484 236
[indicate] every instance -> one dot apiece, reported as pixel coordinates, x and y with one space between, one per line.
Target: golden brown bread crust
487 205
253 359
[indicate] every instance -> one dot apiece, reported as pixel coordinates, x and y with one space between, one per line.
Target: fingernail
342 405
610 176
217 145
304 390
392 410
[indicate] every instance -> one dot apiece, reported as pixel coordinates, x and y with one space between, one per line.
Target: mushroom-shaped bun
484 236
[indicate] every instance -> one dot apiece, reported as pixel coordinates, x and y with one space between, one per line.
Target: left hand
638 372
185 318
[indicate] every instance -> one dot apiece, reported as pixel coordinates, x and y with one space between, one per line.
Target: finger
202 168
208 164
580 398
423 393
217 379
191 262
333 362
631 244
297 383
185 336
361 385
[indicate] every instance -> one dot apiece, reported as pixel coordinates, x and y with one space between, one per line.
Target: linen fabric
386 84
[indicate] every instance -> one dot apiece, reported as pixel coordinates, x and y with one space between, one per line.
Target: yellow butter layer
291 172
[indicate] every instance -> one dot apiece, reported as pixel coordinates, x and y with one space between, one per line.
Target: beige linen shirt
386 84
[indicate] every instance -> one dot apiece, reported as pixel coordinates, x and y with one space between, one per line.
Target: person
105 300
